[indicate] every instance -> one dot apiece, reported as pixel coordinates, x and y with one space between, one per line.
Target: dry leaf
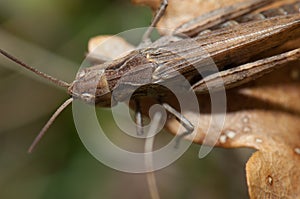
107 47
264 115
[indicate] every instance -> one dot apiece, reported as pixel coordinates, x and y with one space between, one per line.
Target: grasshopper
234 38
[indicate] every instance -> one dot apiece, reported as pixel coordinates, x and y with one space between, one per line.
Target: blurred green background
52 35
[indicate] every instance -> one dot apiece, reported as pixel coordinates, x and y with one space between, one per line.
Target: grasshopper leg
219 16
244 73
138 118
183 120
160 12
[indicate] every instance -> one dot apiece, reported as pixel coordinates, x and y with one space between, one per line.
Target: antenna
41 74
48 124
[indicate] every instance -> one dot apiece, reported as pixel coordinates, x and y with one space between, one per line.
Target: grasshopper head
91 87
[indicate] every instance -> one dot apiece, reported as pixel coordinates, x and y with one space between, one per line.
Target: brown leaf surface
264 115
108 47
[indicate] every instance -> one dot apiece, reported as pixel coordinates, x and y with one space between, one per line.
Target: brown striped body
226 47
